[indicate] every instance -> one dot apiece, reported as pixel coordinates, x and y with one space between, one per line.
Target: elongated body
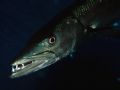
86 17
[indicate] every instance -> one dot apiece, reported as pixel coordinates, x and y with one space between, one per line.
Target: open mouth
25 66
19 67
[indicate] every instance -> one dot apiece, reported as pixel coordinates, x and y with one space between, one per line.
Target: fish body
99 13
64 37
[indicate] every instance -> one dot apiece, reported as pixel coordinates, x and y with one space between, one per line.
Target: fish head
48 51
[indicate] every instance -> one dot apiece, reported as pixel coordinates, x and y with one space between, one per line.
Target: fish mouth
33 63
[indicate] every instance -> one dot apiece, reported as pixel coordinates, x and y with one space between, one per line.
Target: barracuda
66 34
51 49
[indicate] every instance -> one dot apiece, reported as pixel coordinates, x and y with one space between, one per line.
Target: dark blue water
97 64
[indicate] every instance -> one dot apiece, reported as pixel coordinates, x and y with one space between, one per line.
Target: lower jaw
28 69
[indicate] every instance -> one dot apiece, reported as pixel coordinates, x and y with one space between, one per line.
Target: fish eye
52 40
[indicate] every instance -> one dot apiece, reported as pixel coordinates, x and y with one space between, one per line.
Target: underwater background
96 63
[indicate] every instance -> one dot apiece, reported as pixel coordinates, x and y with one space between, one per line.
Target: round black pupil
52 40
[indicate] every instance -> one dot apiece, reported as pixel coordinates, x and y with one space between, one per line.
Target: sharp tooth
13 70
22 66
17 68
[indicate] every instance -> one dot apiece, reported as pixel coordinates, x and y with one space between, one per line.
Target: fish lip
39 63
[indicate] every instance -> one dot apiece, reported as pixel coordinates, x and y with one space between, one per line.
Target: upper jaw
21 64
